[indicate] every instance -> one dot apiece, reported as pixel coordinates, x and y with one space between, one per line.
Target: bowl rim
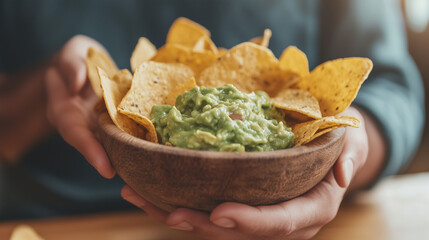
106 125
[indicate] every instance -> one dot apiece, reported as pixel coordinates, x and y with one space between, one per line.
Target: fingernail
224 222
348 167
184 226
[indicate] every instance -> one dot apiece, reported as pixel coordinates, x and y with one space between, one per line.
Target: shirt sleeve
393 94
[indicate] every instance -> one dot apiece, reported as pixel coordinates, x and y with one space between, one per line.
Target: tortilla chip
186 32
143 52
264 40
113 92
249 67
205 44
294 60
344 119
151 85
320 132
298 103
94 59
123 79
175 53
331 126
200 46
221 52
336 83
307 131
25 232
186 86
144 121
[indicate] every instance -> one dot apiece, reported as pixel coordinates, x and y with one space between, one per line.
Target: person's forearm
372 168
22 111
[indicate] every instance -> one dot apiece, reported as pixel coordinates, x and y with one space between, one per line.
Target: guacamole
222 119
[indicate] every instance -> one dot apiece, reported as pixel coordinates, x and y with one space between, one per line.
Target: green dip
222 119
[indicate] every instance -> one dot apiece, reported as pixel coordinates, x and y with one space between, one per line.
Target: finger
317 207
87 93
76 74
72 61
304 234
81 138
355 150
67 115
56 89
352 157
260 221
199 224
55 92
343 168
58 93
134 198
89 99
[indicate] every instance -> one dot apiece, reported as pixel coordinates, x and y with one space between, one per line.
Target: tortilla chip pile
310 100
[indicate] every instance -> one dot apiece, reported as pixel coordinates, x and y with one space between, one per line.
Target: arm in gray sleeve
394 93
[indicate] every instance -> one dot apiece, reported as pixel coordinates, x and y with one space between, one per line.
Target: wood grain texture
171 177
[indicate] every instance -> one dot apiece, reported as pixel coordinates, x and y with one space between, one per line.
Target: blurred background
416 14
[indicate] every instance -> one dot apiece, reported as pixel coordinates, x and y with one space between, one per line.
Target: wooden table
397 208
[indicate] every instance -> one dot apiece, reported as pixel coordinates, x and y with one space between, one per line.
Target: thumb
354 153
56 91
71 61
344 167
343 170
67 114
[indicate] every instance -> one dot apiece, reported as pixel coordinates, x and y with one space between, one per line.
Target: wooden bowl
171 177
